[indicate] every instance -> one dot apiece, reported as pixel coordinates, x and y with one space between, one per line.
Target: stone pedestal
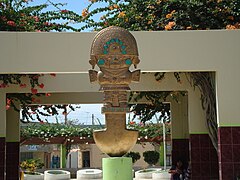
117 168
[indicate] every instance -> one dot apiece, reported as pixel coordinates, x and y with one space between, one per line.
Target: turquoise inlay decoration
128 61
114 40
101 62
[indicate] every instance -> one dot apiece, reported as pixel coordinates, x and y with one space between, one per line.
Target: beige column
2 114
2 134
179 113
12 144
197 122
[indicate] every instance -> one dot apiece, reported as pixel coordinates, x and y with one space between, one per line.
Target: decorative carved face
114 55
112 48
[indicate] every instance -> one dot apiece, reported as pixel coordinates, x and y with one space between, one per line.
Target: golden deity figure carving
114 51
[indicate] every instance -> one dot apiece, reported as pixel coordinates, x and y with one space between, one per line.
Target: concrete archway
189 51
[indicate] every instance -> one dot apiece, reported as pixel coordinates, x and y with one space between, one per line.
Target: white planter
163 175
145 174
56 175
39 176
89 174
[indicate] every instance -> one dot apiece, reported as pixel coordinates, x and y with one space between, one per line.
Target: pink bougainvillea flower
7 107
64 11
4 18
11 23
3 85
23 85
34 91
41 122
41 86
46 23
38 101
36 18
9 101
47 94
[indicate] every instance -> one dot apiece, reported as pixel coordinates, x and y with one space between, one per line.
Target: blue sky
83 115
72 5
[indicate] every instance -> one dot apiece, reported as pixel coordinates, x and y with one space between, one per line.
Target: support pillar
180 131
204 159
12 145
228 152
161 159
63 156
2 134
203 156
2 157
117 168
180 151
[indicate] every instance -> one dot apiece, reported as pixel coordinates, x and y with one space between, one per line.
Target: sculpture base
117 168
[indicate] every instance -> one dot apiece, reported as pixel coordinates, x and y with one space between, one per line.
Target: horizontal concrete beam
159 51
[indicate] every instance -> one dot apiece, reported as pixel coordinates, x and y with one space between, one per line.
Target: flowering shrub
21 16
134 155
55 130
149 132
151 157
165 14
30 165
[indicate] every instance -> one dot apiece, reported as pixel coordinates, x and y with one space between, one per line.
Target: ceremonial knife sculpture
114 51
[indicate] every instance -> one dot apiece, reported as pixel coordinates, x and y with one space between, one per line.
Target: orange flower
84 12
170 25
121 14
115 6
230 27
167 27
150 21
231 18
168 16
159 2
